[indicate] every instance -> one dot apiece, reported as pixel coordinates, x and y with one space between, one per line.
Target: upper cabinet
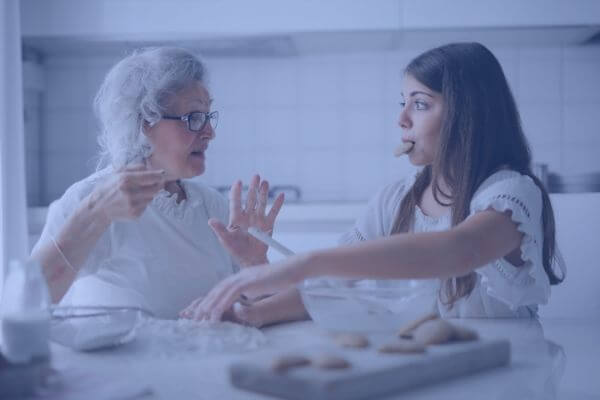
442 14
160 19
189 19
292 27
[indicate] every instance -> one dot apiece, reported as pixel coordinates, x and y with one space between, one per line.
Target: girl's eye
402 104
420 105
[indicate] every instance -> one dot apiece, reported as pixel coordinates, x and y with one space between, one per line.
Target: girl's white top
502 289
161 261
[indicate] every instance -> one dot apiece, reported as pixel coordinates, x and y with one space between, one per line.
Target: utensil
269 241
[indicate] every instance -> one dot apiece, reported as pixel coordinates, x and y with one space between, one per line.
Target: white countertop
557 359
554 359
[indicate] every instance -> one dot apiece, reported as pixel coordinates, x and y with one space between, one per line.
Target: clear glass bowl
87 328
367 305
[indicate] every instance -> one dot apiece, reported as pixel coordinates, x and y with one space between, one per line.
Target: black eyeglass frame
208 116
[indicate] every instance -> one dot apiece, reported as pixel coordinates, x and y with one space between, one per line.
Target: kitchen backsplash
327 124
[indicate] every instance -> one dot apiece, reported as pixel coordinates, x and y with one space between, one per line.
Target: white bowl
367 305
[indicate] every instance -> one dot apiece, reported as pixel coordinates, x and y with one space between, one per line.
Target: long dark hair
481 133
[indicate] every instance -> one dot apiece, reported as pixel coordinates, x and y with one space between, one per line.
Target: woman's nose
208 132
404 121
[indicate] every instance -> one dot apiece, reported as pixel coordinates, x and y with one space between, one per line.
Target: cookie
440 331
354 340
463 334
328 361
407 330
283 363
436 331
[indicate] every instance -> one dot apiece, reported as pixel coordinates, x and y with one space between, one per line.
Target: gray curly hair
137 90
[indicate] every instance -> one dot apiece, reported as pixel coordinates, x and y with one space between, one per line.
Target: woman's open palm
235 237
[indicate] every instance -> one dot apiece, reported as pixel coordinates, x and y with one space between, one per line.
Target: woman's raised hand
127 193
235 237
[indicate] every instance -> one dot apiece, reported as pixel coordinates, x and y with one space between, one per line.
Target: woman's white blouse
161 261
502 290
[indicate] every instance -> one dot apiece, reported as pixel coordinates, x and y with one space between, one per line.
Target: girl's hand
235 237
245 314
242 312
127 193
264 280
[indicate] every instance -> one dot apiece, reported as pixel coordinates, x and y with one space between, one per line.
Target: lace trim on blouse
359 236
527 284
167 204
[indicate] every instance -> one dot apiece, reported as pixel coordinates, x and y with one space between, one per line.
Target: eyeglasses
197 120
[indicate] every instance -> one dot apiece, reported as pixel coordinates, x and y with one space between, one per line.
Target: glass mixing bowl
367 305
87 328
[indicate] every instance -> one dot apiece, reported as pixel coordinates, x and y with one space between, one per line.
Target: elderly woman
138 231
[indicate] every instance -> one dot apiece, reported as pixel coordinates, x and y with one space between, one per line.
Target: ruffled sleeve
527 284
61 209
378 218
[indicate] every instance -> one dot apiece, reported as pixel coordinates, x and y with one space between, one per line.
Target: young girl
475 216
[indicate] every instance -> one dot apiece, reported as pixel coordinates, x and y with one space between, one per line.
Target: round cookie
329 361
436 331
285 362
354 340
463 334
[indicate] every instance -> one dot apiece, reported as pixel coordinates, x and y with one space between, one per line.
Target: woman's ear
147 128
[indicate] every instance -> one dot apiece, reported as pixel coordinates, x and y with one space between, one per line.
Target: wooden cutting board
372 374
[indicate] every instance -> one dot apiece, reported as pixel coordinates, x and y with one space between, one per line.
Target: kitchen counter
551 359
555 359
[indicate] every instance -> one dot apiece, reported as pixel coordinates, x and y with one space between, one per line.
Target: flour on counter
183 337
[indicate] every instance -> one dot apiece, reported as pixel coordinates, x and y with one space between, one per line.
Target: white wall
328 123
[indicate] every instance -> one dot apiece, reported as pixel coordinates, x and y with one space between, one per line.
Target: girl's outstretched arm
481 238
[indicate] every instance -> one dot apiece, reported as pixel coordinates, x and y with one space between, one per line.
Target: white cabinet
193 19
291 27
126 20
443 14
